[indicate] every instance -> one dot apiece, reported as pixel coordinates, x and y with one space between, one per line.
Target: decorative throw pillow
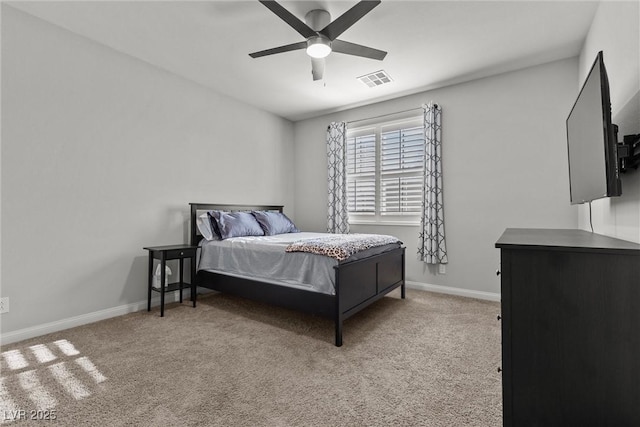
274 223
236 224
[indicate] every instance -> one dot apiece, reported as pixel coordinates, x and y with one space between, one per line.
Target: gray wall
616 31
504 165
101 154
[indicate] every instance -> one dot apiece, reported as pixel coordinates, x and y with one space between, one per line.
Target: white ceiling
429 43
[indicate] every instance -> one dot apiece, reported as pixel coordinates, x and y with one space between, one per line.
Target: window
385 172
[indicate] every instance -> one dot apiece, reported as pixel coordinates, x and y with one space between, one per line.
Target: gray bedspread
264 258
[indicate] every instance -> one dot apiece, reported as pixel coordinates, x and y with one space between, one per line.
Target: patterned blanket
341 246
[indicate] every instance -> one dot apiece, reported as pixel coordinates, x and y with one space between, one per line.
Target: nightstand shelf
164 254
171 287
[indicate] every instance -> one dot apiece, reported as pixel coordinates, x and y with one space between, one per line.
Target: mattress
264 258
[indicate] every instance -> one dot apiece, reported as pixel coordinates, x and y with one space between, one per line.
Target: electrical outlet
442 269
4 305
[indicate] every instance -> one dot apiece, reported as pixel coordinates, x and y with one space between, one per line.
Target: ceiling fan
322 34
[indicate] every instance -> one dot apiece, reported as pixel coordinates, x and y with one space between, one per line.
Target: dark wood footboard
363 282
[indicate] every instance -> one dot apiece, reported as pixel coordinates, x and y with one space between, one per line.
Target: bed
357 281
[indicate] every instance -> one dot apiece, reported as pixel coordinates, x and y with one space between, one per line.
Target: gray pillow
214 225
203 222
236 224
274 223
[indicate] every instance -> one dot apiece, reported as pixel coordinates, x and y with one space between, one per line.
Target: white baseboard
83 319
489 296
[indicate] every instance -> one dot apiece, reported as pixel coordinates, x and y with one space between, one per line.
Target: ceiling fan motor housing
317 19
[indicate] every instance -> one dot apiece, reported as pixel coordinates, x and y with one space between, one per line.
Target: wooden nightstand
165 253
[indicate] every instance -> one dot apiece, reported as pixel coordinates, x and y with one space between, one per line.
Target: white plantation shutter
361 196
361 174
402 150
401 166
400 196
385 171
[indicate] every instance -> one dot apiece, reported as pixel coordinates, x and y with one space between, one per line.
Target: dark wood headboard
198 208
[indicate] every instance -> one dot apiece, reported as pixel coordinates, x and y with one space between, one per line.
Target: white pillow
204 225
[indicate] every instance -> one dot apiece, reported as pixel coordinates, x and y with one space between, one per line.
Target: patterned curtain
338 216
431 243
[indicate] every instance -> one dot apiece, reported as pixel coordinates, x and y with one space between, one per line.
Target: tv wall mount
628 151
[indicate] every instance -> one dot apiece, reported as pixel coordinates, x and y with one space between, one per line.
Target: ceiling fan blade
289 18
347 19
357 50
281 49
317 68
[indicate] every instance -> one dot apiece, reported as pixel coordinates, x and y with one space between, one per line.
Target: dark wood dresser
570 328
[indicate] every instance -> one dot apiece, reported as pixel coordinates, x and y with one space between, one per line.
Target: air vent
376 79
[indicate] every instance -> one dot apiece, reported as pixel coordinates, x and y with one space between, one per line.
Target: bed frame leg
338 333
402 291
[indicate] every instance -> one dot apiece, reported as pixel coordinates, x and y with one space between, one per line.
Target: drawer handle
499 317
181 253
497 272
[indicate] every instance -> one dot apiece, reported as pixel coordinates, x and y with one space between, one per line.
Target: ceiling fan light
318 47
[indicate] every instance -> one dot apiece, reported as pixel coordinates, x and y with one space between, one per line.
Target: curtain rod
386 115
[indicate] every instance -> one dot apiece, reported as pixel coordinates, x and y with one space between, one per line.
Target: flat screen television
592 140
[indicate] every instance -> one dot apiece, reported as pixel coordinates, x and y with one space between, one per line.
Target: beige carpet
429 360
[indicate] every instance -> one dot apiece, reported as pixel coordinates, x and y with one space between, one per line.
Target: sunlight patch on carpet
40 377
7 405
38 394
71 384
15 360
66 347
42 353
91 369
